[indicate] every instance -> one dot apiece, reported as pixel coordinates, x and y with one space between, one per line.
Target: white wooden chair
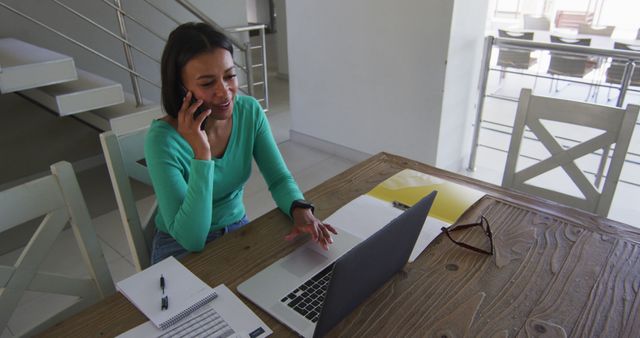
58 198
124 155
617 124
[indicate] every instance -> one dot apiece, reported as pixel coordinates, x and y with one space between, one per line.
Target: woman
199 169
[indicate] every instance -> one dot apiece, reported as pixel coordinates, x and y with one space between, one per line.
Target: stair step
88 92
25 66
124 117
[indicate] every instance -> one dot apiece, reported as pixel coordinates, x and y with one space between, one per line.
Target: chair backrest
58 198
570 41
124 155
615 72
514 57
584 28
515 35
567 64
536 22
617 125
626 46
572 19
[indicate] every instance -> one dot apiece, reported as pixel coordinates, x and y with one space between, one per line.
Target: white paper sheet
430 230
239 317
182 287
365 215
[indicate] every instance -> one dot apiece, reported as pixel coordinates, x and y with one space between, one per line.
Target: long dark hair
184 43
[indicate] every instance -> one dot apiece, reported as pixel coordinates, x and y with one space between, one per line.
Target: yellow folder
408 186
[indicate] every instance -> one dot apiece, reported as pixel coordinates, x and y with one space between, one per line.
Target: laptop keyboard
308 298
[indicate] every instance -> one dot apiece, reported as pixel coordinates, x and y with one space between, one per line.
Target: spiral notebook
224 317
185 292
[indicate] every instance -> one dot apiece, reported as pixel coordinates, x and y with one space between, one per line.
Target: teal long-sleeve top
196 197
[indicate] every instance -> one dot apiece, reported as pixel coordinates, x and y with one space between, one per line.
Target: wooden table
556 271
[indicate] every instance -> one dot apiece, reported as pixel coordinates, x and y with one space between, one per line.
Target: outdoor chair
587 29
570 65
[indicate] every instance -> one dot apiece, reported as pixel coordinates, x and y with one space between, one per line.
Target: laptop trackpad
302 262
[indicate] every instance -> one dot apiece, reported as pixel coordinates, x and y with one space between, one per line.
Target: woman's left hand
305 222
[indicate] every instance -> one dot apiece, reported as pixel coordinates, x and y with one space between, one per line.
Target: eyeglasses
483 223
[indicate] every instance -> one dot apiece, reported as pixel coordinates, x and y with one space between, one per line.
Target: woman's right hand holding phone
189 128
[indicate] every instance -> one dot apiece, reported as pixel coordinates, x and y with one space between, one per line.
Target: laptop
311 290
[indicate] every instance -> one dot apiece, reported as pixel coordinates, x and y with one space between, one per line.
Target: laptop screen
367 266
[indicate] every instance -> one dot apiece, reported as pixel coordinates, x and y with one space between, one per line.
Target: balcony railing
631 58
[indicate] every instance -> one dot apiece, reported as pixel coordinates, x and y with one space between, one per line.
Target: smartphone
198 111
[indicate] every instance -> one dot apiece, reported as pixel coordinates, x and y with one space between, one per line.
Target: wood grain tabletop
556 271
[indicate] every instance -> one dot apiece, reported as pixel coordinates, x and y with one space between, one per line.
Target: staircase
24 66
52 80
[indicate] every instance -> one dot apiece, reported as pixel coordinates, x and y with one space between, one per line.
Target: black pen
165 303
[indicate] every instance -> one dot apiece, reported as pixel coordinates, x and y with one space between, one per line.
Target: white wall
370 75
258 11
281 38
461 83
225 12
252 11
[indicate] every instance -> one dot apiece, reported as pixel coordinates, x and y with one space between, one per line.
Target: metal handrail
265 76
631 56
79 44
482 85
567 48
249 64
127 53
161 11
128 45
102 28
507 71
128 16
237 29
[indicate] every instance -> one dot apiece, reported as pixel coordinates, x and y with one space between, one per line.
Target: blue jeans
164 245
